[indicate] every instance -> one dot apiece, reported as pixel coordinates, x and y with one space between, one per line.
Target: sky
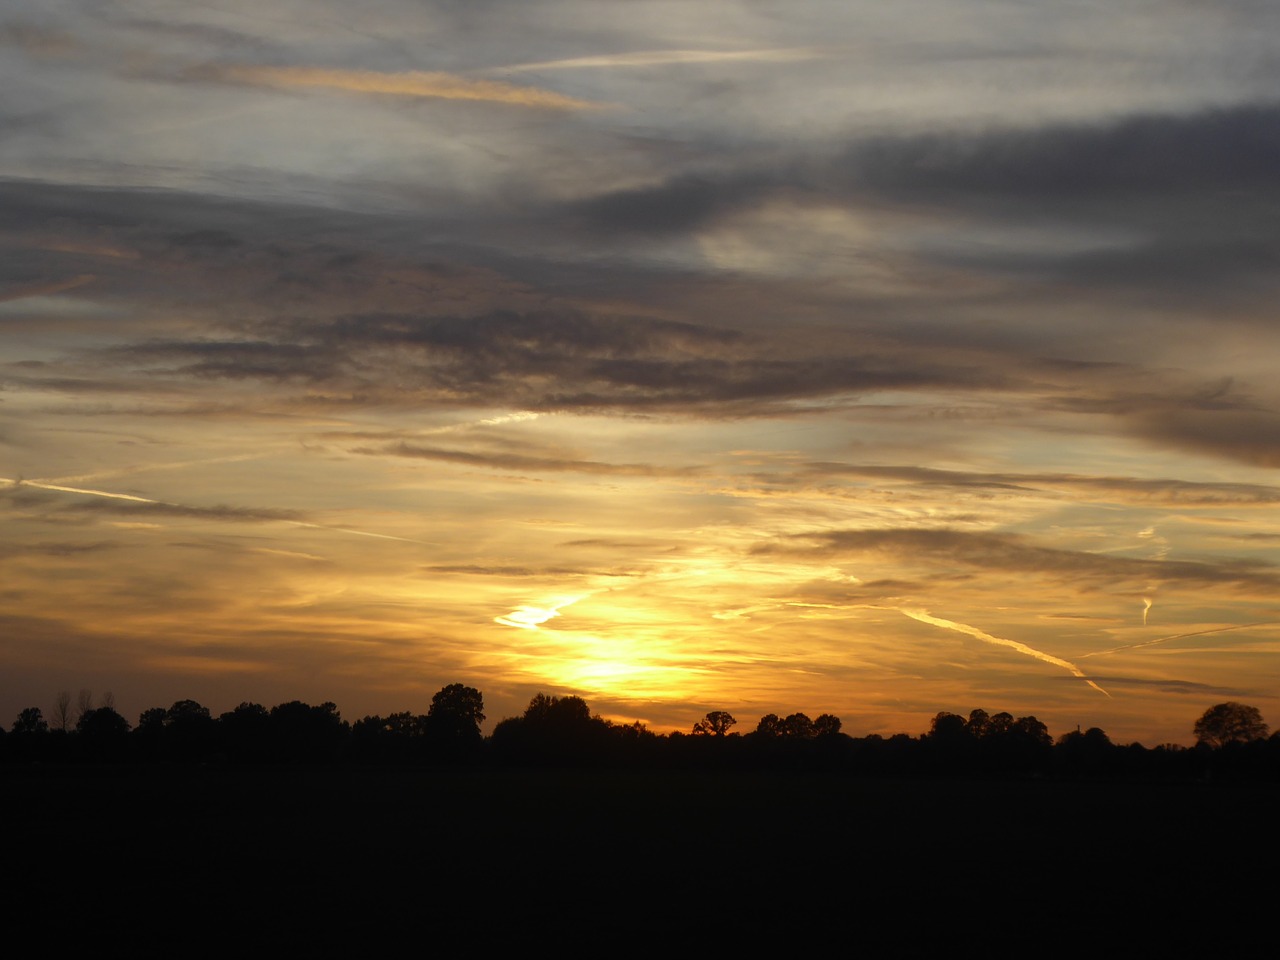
834 357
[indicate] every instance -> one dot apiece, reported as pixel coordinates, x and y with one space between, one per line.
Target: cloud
88 500
45 289
1131 490
37 40
514 461
949 549
1179 636
409 83
1248 435
1164 202
1173 156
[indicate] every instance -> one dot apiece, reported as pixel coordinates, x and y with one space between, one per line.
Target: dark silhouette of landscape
290 828
561 731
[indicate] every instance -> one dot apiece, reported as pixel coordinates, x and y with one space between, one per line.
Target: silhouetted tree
769 726
30 723
62 711
1089 753
29 736
244 733
300 731
189 731
947 727
798 726
553 729
456 713
999 724
827 725
979 724
716 724
1229 722
103 734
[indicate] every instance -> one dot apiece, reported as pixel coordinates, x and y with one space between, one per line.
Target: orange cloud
410 83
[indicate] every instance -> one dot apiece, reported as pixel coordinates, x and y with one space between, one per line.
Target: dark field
165 857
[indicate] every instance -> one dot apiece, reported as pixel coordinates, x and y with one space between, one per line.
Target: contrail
357 533
925 617
61 488
93 493
1179 636
1146 607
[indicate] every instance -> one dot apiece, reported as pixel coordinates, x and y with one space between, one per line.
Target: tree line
1232 740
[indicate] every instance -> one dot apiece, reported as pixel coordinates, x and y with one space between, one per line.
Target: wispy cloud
45 289
1006 552
515 461
410 83
1178 636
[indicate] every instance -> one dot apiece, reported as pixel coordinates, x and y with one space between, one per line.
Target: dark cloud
1230 150
549 361
1248 435
1176 205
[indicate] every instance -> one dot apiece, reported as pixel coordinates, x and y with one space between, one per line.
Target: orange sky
850 360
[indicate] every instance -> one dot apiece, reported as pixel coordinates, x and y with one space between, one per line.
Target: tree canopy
1229 722
716 723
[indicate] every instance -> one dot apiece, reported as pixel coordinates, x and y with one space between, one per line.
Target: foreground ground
175 858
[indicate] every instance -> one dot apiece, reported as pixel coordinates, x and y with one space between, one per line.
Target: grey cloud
1231 149
1231 152
681 204
564 359
1178 206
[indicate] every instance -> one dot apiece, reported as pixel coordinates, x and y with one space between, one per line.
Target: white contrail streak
93 493
1146 607
1179 636
924 616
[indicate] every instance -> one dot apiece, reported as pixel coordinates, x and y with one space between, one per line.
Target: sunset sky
852 357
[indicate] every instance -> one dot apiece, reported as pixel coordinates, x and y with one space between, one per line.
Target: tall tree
456 712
